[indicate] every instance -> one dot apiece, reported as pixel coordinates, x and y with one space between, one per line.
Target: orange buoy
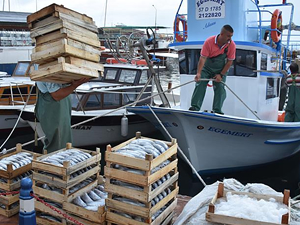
141 62
276 23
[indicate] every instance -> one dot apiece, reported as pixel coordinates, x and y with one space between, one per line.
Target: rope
130 104
9 193
56 210
28 98
181 152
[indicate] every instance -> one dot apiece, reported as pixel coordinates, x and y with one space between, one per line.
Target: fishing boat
16 91
96 101
248 134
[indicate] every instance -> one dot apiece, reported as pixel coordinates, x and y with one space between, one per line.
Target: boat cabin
119 85
256 73
15 89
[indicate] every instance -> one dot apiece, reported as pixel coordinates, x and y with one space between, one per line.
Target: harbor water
280 175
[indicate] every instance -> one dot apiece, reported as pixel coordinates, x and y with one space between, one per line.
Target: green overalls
211 67
55 120
292 110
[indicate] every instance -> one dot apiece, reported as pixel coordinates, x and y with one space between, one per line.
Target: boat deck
182 201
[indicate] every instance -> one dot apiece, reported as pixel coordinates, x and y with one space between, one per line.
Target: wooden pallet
211 216
66 70
87 216
164 218
52 9
146 165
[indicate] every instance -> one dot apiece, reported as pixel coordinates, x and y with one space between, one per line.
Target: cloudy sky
130 12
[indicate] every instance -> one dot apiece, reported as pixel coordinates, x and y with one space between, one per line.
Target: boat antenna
105 13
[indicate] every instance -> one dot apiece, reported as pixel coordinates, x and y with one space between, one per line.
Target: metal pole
155 18
3 5
105 13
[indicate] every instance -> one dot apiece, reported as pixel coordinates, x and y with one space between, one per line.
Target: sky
130 12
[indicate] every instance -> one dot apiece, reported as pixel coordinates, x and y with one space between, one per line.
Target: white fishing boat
248 134
96 101
16 91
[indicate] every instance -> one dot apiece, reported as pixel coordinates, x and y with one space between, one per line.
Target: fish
161 143
100 193
78 201
159 148
86 198
93 196
129 201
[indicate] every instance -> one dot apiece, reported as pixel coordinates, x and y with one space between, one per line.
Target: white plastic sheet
194 211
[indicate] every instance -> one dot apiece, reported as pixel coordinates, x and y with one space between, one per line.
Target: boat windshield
127 76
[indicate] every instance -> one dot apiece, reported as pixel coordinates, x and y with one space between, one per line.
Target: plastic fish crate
163 219
59 176
145 165
87 216
211 216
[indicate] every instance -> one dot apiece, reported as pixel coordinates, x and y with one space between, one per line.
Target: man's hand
197 77
79 82
218 78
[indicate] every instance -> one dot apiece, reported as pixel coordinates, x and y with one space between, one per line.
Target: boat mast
105 13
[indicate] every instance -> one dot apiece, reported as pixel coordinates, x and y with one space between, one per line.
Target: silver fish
78 201
93 196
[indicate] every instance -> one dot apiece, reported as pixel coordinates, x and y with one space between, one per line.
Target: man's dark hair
228 28
294 68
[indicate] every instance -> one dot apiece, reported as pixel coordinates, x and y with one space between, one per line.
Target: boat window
16 92
21 68
244 64
93 102
144 77
188 61
75 98
111 100
111 74
264 61
127 76
272 87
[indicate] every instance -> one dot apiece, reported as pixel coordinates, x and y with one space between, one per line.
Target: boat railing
281 48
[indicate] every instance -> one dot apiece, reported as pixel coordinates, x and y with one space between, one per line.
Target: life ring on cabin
115 61
180 35
276 23
140 62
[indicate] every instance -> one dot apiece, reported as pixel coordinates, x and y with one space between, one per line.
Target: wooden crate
146 212
64 47
34 18
164 218
66 69
41 208
66 170
87 216
146 165
9 202
221 193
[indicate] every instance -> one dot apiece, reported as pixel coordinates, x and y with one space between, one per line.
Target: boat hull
101 131
219 144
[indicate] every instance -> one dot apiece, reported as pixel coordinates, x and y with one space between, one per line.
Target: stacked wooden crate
10 181
67 45
61 181
122 212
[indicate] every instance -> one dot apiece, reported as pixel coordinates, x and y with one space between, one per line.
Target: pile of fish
92 199
73 155
17 160
18 178
140 147
72 189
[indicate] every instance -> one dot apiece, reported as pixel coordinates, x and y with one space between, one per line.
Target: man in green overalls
217 55
53 110
292 110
